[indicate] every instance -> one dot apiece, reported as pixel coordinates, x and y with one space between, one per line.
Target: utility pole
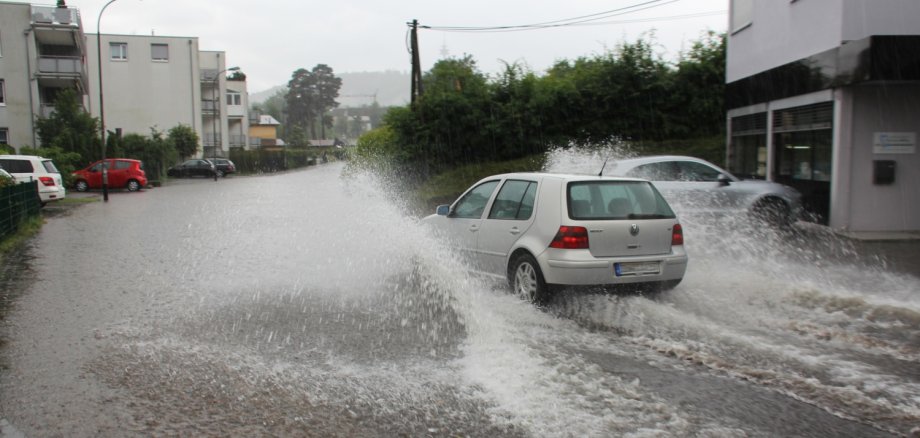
416 63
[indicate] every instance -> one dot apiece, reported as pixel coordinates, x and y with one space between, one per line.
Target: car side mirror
443 210
724 180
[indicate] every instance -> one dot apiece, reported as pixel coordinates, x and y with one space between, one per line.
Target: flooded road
309 304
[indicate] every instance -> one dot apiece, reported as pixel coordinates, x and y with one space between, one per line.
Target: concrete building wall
17 53
783 33
872 207
863 18
141 92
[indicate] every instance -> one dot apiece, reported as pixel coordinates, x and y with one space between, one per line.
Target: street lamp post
217 102
105 170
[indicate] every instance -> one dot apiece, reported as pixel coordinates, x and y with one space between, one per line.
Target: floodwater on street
311 303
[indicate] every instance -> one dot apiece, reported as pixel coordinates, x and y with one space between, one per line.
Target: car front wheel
133 186
81 186
527 280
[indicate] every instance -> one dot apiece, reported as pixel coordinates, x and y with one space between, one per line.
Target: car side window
691 171
473 203
121 165
514 200
664 171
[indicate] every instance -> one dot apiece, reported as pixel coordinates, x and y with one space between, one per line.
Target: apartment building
824 96
149 81
42 52
163 81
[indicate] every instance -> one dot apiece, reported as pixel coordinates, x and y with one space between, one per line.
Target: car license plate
636 268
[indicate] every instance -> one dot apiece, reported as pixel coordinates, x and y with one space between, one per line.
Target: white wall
882 108
864 18
782 32
141 93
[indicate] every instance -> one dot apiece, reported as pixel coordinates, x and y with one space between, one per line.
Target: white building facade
824 95
149 82
42 52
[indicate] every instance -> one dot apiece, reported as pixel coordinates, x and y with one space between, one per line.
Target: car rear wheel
81 186
527 280
133 185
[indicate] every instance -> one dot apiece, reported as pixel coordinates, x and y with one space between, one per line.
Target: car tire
773 212
133 185
526 280
81 186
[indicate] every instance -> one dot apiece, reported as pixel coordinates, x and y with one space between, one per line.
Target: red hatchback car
123 173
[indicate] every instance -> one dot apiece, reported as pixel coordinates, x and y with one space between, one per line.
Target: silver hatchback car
541 231
696 186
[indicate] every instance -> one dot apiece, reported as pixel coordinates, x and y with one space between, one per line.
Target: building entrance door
803 151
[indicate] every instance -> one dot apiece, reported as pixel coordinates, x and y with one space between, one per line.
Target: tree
184 139
310 95
327 90
70 128
300 99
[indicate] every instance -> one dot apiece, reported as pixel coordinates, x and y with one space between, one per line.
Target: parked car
123 173
544 231
27 168
697 186
194 167
224 166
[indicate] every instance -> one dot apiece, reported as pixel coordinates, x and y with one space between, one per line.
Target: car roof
23 157
561 176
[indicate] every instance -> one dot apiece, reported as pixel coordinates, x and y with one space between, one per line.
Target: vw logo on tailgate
634 229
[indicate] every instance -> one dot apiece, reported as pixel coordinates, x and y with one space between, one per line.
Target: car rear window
616 200
49 166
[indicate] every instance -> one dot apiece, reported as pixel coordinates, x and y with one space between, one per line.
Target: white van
26 168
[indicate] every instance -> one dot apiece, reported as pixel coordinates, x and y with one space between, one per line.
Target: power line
573 21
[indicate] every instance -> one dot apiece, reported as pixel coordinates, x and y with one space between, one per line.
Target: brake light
570 238
677 235
46 180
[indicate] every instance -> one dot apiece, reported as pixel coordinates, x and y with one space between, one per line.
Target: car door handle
474 228
515 231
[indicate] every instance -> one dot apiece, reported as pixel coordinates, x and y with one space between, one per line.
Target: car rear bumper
51 193
580 268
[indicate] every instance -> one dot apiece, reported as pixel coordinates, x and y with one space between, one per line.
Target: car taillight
677 235
46 180
570 238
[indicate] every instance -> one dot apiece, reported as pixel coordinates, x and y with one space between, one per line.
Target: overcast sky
269 39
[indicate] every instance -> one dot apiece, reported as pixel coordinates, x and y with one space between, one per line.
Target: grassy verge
78 201
26 230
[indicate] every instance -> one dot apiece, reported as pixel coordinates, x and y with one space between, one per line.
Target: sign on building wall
894 142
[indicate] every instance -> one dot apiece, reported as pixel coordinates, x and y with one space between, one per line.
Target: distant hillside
391 88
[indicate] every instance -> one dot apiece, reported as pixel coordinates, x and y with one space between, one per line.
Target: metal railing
55 15
71 65
18 203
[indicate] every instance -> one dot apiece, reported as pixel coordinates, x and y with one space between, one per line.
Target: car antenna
601 173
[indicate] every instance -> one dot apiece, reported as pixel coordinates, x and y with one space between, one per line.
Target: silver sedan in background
694 186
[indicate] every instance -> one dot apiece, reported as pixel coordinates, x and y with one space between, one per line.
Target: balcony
61 65
50 15
211 139
209 106
237 141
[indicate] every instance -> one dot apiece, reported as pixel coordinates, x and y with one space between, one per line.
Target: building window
119 51
2 92
748 157
159 52
234 99
742 14
4 136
